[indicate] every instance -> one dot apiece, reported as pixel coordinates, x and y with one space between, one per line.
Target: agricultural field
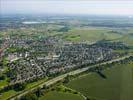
60 96
7 94
93 34
118 84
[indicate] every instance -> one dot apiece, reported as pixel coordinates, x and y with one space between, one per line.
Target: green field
60 96
118 84
12 92
93 34
5 95
3 83
86 34
77 34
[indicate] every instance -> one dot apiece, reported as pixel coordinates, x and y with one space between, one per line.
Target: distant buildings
29 59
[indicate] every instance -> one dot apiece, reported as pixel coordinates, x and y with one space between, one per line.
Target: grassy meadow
54 95
93 34
118 84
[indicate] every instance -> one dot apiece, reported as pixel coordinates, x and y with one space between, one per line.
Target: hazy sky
67 6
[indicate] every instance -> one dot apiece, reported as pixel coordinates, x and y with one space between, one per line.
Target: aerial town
66 50
46 57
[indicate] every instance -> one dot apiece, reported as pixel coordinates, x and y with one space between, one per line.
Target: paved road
58 78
